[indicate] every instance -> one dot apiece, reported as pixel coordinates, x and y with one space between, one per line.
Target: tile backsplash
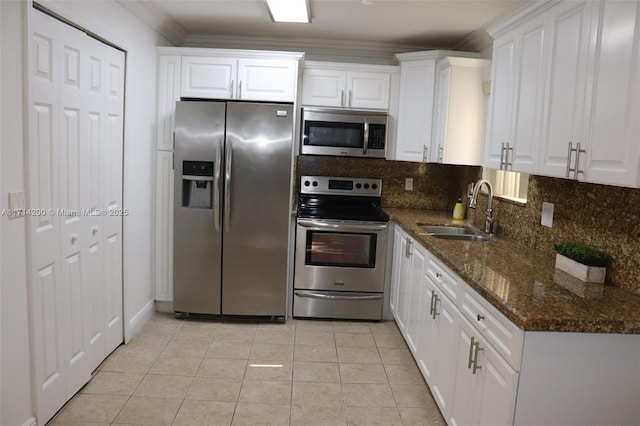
606 217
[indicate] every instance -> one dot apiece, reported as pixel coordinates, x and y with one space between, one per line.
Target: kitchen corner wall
606 217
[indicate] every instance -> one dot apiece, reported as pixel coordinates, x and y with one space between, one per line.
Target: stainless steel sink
454 233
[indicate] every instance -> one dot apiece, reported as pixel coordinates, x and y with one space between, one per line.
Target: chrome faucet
488 223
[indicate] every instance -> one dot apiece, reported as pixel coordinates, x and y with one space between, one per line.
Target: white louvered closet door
75 197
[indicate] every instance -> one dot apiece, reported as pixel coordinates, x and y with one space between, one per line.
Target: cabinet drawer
444 279
499 331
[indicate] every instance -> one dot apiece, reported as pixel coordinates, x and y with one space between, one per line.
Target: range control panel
340 185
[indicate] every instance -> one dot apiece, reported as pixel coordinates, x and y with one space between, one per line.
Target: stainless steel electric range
341 245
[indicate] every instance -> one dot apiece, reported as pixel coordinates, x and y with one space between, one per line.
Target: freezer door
257 212
197 240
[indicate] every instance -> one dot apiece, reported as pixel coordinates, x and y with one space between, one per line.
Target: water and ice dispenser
197 184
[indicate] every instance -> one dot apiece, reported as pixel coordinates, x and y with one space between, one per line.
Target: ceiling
416 23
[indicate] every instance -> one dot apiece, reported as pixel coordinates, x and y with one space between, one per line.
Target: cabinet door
398 254
503 84
445 349
169 67
530 96
368 90
164 227
208 77
459 99
414 304
571 42
496 391
466 383
323 87
612 156
267 80
415 111
402 309
427 326
441 112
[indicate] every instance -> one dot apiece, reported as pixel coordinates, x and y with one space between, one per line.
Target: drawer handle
435 307
474 348
480 317
438 275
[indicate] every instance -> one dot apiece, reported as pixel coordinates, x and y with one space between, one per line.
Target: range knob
315 183
374 186
366 186
358 185
307 183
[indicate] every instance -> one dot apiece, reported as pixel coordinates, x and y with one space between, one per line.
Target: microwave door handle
366 136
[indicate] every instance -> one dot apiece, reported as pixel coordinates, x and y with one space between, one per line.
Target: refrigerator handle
216 189
227 186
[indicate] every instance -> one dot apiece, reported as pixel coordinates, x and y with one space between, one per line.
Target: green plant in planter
583 253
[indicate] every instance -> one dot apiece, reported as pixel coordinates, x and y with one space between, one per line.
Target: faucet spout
488 223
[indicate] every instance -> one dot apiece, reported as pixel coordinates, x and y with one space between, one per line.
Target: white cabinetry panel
415 111
164 226
329 84
208 77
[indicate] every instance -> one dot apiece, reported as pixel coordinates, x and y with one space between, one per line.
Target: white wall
111 21
15 407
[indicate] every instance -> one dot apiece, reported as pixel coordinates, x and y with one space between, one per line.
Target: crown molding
314 50
157 19
475 41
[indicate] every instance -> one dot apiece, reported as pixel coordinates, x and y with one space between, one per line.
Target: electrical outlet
547 214
408 184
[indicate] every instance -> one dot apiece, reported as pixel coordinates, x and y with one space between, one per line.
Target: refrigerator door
197 239
257 214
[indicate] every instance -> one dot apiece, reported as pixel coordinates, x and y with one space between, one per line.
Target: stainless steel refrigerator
232 201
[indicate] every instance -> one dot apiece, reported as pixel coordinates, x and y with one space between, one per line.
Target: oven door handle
314 295
341 226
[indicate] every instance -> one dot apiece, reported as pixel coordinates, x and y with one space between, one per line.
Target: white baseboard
31 421
162 306
139 320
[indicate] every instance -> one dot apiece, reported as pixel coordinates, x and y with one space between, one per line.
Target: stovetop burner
332 198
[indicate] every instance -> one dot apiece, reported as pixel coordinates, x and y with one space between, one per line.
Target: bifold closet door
75 193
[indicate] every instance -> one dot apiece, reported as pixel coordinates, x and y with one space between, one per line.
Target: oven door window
341 135
326 248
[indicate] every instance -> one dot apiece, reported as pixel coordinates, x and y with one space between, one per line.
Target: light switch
408 184
16 204
547 214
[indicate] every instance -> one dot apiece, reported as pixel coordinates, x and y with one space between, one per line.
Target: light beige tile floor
302 372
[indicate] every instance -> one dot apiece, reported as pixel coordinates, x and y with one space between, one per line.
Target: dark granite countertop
523 284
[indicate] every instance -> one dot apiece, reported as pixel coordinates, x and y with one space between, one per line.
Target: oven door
340 255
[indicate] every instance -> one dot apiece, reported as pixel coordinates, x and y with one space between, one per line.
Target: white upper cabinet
573 109
613 152
517 96
565 116
243 79
415 109
437 90
328 84
459 112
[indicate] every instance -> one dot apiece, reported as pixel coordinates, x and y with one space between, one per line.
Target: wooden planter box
589 274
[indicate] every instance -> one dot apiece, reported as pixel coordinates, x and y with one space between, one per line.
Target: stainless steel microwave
344 133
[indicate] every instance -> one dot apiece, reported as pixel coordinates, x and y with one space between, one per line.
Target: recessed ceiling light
289 11
366 2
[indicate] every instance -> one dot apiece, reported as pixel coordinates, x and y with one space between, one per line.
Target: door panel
259 147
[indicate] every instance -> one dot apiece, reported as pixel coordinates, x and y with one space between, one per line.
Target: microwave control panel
376 136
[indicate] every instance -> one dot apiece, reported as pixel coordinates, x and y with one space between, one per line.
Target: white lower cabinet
485 385
475 360
444 343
